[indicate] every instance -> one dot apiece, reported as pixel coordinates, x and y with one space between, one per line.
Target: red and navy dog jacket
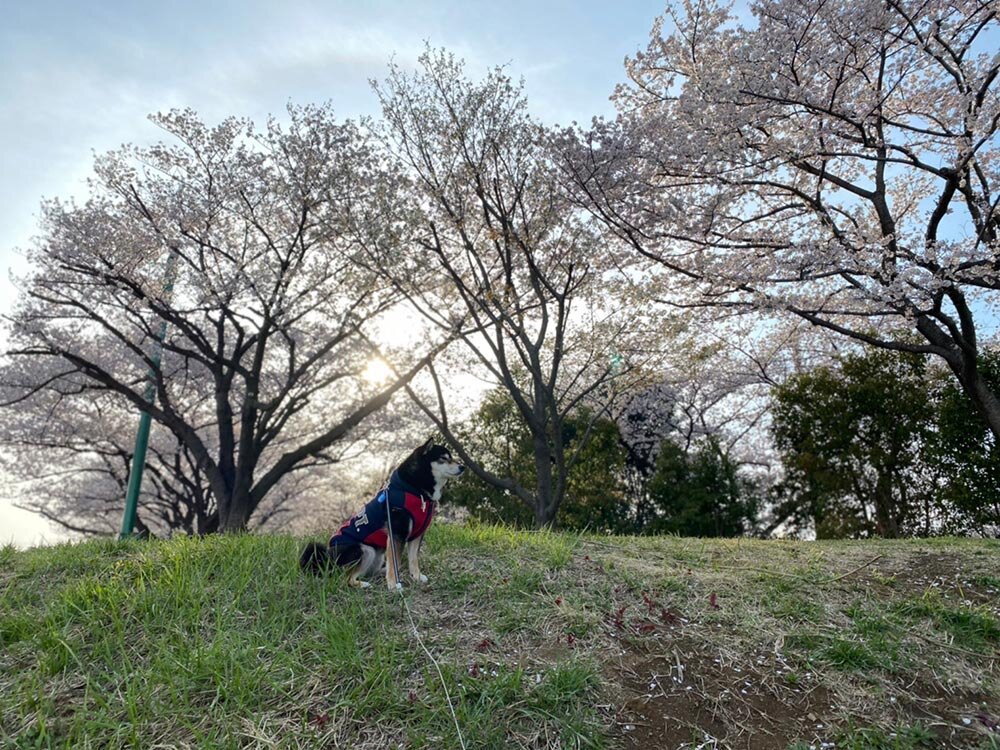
369 525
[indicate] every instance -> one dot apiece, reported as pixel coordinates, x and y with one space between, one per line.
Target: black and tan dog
406 504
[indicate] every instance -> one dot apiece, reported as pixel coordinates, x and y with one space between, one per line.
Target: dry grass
781 644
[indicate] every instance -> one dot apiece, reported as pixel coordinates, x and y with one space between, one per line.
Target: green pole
138 459
145 420
135 476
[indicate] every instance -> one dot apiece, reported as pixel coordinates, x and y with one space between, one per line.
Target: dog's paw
398 586
423 579
364 585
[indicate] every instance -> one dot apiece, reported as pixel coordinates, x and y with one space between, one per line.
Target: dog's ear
428 445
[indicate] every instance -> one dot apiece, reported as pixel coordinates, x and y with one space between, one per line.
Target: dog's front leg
412 559
393 555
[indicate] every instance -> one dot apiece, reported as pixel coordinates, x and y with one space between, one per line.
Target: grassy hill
543 640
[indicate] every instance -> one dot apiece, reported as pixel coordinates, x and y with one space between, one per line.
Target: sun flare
377 371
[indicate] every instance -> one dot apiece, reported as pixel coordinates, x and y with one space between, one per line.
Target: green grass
542 639
971 627
916 737
215 642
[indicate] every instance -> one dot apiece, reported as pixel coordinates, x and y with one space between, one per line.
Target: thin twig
852 572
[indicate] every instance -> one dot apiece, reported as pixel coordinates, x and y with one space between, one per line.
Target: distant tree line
882 444
875 444
615 487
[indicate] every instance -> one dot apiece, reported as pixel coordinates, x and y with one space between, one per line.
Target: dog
405 505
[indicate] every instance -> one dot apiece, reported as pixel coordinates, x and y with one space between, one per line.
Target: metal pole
142 433
138 461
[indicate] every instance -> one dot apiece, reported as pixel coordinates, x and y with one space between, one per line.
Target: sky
78 79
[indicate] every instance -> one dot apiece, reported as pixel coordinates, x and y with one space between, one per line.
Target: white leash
395 563
430 656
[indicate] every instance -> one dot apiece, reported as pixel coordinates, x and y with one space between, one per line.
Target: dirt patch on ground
676 692
945 709
710 651
684 696
948 574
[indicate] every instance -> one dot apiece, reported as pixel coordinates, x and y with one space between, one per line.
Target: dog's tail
315 559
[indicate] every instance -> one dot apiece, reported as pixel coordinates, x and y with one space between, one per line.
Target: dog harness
368 526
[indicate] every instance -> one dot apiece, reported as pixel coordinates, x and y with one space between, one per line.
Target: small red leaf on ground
411 696
619 618
667 616
712 602
988 721
570 640
474 670
321 720
647 627
484 644
558 601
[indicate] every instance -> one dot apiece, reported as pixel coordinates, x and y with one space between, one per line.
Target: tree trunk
545 517
236 520
962 361
235 510
885 517
545 505
209 524
984 399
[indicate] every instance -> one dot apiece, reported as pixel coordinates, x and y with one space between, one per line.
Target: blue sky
78 78
81 77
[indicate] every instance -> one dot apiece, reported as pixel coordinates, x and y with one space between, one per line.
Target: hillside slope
543 640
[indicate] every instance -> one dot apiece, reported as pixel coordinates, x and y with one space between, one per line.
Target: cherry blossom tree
498 246
837 160
238 248
68 457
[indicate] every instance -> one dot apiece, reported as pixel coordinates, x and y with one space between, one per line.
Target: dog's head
429 467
